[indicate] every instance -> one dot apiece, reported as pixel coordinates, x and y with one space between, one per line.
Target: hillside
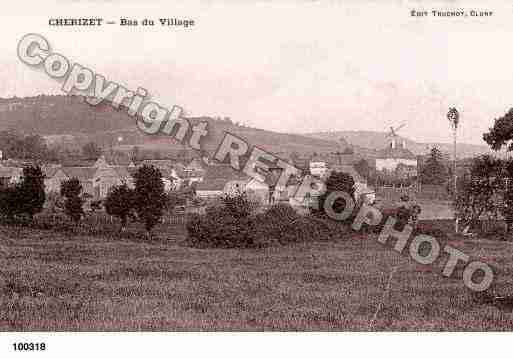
378 140
59 115
69 120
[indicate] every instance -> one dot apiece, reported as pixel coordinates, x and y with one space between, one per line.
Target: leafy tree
337 182
507 195
71 190
120 203
501 134
91 150
479 191
434 170
31 191
150 198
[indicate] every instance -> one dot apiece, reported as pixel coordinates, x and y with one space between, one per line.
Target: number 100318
29 346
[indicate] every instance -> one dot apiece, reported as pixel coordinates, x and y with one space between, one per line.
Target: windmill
393 134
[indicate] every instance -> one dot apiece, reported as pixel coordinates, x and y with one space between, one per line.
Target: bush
232 224
300 229
71 190
217 228
238 205
31 191
282 212
26 197
336 182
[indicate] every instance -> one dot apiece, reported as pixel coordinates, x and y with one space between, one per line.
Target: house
54 176
195 165
389 158
86 177
125 174
190 177
10 175
97 178
219 180
318 168
160 164
405 171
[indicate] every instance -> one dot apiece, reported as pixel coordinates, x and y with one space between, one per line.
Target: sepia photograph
254 166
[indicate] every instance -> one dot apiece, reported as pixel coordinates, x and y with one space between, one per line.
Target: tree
71 190
434 170
91 150
507 194
501 134
150 198
337 182
479 191
31 191
120 203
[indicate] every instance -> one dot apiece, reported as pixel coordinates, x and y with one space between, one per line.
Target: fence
424 192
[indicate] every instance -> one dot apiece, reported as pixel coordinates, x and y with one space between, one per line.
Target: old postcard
255 166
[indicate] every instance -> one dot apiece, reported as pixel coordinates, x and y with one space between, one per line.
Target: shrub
31 191
217 228
282 212
26 197
336 182
230 226
238 205
71 190
228 223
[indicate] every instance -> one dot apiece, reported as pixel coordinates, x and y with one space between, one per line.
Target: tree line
144 203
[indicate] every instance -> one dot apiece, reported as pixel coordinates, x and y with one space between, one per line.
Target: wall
391 163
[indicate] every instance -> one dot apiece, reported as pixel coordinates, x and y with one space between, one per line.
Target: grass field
53 281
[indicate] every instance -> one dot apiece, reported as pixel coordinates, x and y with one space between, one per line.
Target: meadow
74 281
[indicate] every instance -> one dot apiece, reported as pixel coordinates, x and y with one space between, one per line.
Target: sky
288 66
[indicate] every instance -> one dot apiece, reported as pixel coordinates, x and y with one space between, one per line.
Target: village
211 181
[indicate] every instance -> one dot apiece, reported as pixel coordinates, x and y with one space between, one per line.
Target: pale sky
294 67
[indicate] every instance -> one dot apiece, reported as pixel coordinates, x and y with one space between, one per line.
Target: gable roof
101 162
49 172
122 171
217 176
397 152
158 163
8 172
80 173
77 163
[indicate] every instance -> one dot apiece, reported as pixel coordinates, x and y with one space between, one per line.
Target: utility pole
454 118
